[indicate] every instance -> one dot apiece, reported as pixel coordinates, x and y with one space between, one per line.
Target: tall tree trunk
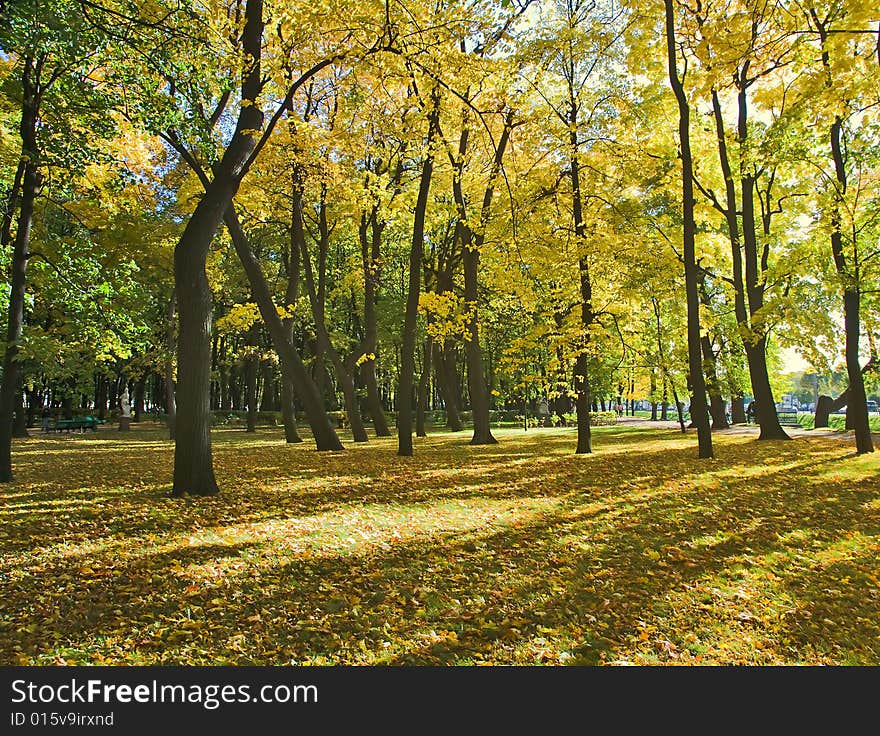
748 283
370 255
408 342
699 408
21 243
193 468
857 407
582 385
472 242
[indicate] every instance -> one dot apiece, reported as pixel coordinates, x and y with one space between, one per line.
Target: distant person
750 412
46 416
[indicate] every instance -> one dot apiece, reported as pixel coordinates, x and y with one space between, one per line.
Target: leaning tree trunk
294 371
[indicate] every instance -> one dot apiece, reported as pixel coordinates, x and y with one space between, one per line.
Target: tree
699 406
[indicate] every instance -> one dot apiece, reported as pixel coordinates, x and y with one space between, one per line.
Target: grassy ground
520 553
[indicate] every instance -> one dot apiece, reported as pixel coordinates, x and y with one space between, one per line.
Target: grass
520 553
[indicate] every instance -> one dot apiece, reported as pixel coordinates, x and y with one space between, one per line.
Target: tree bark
193 468
370 255
408 342
472 242
15 320
422 398
699 409
293 369
325 346
856 407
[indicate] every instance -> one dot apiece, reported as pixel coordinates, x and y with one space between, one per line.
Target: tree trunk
856 407
444 369
408 342
737 411
699 408
252 365
370 255
471 243
422 399
293 370
269 400
193 468
139 389
582 385
15 319
324 345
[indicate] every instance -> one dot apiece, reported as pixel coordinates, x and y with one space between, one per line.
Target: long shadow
495 590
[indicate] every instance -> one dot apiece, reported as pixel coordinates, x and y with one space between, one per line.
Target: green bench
788 418
78 423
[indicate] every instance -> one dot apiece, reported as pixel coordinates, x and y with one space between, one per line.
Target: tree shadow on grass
626 545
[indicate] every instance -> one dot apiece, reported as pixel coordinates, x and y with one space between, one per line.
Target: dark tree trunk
408 341
251 369
717 408
269 401
324 345
444 369
737 411
193 468
857 407
825 405
288 411
20 255
251 391
293 370
101 398
20 417
582 385
371 258
422 399
699 408
471 244
653 402
139 389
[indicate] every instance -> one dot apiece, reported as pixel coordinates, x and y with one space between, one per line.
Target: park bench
788 418
78 423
